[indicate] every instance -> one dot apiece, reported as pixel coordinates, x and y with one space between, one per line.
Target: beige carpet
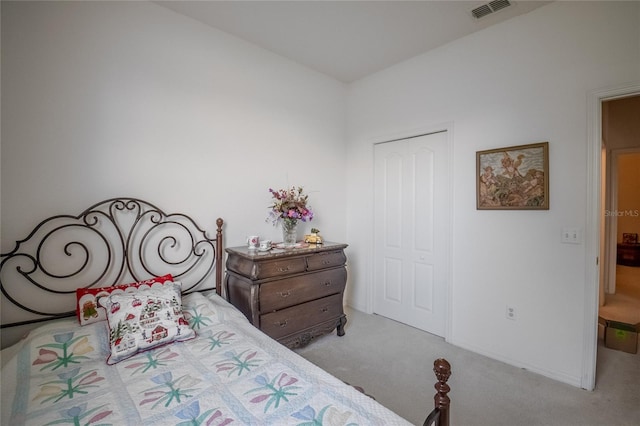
624 305
393 362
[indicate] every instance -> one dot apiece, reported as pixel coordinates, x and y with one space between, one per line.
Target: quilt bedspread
230 373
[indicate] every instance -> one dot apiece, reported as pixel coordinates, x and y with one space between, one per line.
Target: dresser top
274 253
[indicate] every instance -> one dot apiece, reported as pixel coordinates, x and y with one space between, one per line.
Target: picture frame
513 178
629 238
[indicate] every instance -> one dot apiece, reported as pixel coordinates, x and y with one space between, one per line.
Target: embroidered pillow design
88 308
145 319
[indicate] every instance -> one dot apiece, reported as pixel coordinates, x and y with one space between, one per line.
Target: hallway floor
624 305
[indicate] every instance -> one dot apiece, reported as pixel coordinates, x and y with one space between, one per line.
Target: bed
97 352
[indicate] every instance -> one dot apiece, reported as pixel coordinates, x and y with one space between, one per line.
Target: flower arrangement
289 205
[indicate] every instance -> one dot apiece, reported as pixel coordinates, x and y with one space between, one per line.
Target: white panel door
411 234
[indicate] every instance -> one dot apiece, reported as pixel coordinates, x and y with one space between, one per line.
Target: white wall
102 99
523 81
105 99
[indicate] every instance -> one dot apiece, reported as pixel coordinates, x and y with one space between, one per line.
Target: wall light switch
511 313
571 235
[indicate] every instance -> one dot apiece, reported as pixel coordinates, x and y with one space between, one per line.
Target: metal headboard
116 241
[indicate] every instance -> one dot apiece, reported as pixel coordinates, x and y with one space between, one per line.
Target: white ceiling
346 40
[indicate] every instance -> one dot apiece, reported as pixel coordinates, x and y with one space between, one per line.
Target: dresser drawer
291 320
281 267
326 260
293 291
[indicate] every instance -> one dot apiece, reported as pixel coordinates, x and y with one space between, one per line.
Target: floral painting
514 178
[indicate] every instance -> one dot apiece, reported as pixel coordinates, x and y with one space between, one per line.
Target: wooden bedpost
219 256
440 414
442 369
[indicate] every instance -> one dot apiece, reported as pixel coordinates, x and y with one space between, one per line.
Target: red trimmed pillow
144 319
88 308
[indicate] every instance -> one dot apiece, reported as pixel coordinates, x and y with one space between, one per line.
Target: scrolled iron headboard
115 241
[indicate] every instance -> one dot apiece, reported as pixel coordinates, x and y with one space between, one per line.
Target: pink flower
45 357
91 378
289 204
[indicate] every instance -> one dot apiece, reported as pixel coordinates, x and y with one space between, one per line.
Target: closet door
411 237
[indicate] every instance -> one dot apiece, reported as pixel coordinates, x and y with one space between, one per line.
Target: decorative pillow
145 319
88 308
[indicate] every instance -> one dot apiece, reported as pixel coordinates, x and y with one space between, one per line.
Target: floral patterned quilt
231 374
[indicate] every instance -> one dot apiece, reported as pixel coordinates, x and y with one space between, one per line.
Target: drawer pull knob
283 269
283 324
327 283
285 293
326 262
325 309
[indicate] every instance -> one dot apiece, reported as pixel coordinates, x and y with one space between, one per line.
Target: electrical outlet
511 313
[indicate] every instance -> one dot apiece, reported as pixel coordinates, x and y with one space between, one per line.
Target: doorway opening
595 258
620 280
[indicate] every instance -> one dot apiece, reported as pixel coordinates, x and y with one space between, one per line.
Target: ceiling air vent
489 8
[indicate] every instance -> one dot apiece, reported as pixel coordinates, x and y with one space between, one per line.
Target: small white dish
296 245
264 249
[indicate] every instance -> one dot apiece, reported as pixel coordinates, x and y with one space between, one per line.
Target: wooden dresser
292 295
628 254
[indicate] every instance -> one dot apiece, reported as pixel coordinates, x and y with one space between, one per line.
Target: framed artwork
513 178
629 238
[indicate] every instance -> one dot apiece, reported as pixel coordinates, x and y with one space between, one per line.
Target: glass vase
289 232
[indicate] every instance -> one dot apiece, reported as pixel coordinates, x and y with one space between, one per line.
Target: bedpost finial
442 369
